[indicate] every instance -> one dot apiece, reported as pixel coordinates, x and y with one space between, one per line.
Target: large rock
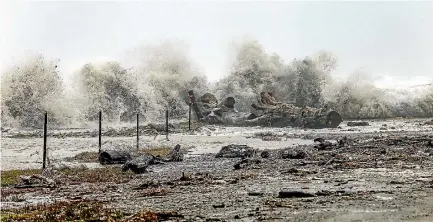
235 151
114 157
139 165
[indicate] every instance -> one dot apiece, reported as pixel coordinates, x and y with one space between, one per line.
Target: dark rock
358 123
175 155
255 193
294 194
220 205
324 193
245 163
235 151
114 157
293 154
265 154
140 164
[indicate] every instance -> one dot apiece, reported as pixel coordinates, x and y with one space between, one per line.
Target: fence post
138 135
166 123
100 130
45 142
189 117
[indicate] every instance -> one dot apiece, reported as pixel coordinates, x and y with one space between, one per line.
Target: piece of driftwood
114 157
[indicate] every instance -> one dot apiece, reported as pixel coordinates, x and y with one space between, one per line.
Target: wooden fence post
45 142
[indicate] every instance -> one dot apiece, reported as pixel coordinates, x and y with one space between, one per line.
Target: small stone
220 205
253 193
358 123
294 194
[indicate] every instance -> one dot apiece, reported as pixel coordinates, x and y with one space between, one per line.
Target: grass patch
64 211
81 210
74 175
10 177
85 157
96 175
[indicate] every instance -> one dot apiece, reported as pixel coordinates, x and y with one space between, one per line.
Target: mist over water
157 77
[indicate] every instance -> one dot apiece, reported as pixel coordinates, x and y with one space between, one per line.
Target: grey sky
392 38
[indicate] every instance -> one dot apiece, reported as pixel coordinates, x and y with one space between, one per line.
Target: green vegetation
10 177
73 175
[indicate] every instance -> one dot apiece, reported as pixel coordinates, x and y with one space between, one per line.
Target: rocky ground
380 173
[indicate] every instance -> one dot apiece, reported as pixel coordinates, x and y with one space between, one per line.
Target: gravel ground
382 173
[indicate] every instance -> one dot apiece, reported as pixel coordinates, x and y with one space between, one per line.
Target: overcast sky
390 38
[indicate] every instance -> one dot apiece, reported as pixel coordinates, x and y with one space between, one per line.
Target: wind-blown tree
31 89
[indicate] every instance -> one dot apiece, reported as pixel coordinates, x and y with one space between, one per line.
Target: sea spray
161 74
168 69
30 89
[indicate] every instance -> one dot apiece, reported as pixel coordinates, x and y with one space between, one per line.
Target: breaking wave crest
162 74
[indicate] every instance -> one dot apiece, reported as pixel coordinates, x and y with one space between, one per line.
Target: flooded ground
383 173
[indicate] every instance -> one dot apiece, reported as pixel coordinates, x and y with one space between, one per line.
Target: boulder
139 165
235 151
114 157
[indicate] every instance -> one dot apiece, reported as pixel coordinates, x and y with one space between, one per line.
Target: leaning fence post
138 136
100 130
166 123
189 117
45 142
